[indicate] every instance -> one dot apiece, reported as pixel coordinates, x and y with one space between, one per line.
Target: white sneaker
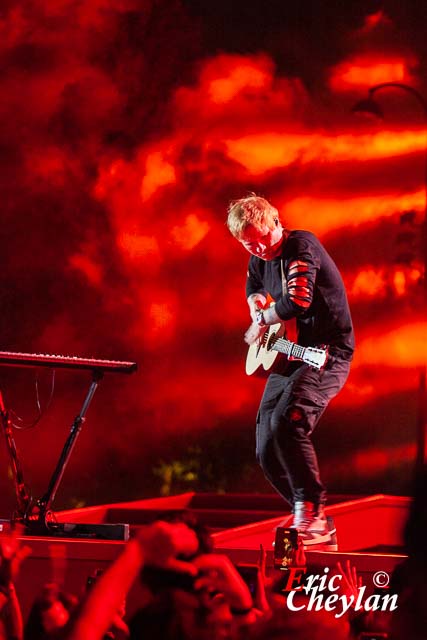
313 527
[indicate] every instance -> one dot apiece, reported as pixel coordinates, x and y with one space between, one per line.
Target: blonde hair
252 210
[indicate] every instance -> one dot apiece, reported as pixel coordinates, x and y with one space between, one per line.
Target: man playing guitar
297 272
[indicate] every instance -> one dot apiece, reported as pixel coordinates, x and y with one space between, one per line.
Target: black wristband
260 320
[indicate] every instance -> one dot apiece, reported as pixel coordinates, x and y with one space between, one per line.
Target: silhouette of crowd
193 593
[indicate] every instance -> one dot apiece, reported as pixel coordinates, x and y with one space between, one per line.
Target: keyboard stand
45 503
38 517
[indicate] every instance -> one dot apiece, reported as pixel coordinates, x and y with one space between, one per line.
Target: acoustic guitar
265 350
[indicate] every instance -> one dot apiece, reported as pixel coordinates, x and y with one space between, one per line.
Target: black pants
290 408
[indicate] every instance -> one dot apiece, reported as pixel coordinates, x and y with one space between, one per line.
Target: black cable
40 412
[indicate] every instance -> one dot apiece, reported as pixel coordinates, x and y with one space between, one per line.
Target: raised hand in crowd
260 598
163 542
351 582
360 621
159 545
12 553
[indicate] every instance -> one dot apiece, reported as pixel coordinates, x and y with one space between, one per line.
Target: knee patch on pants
296 415
303 417
297 419
294 419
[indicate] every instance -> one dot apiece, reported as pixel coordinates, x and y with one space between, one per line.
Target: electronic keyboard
10 358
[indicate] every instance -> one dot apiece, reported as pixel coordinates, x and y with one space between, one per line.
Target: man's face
264 243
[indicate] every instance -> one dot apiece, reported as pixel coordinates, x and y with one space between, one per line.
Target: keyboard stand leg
22 495
45 503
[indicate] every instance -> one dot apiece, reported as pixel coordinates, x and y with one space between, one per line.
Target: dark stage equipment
37 516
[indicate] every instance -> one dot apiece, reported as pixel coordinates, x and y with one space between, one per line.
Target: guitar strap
290 325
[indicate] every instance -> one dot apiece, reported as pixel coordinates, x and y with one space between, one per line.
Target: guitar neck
288 348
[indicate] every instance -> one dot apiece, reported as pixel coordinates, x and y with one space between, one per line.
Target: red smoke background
126 127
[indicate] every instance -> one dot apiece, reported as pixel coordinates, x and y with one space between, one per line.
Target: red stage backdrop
126 127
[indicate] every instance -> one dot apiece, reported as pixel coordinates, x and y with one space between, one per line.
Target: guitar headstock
316 358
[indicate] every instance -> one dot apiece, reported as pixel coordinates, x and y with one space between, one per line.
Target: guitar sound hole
270 342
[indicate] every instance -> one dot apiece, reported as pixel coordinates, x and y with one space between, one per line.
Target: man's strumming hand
254 333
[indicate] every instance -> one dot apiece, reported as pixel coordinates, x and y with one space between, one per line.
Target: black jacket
313 292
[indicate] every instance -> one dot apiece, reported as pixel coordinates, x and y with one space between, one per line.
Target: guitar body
259 353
